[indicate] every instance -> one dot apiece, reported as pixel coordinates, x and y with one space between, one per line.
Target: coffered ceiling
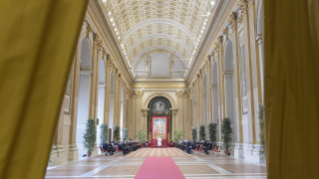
174 26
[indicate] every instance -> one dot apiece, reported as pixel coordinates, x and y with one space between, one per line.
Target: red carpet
159 168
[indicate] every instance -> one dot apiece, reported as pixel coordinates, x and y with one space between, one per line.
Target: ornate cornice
96 12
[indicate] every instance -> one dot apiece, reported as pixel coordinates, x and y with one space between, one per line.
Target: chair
102 150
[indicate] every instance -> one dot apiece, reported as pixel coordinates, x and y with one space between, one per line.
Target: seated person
208 146
146 144
105 147
171 144
190 147
111 149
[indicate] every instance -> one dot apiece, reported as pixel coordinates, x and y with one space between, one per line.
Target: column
108 73
144 120
208 69
259 40
238 149
174 112
138 113
180 107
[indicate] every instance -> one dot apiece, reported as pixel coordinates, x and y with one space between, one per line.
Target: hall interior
203 59
83 78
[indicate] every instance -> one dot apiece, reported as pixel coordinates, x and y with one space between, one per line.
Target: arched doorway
159 124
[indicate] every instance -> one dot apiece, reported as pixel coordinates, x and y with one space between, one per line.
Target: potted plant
125 132
141 136
116 133
194 134
226 131
90 136
178 134
212 133
104 135
202 133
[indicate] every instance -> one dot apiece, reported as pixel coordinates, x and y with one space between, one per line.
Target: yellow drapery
37 42
291 88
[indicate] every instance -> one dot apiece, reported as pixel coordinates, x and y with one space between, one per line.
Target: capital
98 43
138 94
180 94
232 20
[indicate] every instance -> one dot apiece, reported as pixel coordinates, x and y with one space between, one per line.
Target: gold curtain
37 42
292 88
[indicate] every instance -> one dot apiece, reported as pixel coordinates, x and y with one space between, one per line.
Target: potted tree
226 131
212 133
178 134
90 136
194 134
125 132
141 136
202 133
104 135
116 133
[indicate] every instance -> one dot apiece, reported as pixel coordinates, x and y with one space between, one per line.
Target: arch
228 62
159 36
168 97
86 62
158 21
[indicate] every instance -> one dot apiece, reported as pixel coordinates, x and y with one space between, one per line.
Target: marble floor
197 167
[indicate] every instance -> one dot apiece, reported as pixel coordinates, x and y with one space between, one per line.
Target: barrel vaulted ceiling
176 26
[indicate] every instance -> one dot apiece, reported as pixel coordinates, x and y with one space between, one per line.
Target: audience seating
103 151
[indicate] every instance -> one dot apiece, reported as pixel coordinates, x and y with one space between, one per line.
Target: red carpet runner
159 168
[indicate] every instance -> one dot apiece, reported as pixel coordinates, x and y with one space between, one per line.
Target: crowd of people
126 146
189 145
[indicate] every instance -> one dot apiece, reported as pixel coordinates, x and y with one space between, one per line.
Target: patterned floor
215 167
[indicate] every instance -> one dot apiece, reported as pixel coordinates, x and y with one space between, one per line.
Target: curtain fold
37 42
291 88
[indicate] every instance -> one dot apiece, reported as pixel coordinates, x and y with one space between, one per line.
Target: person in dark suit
105 147
190 147
146 144
207 147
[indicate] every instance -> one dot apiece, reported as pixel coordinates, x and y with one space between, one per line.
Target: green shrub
226 131
202 133
90 135
194 134
212 128
104 133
